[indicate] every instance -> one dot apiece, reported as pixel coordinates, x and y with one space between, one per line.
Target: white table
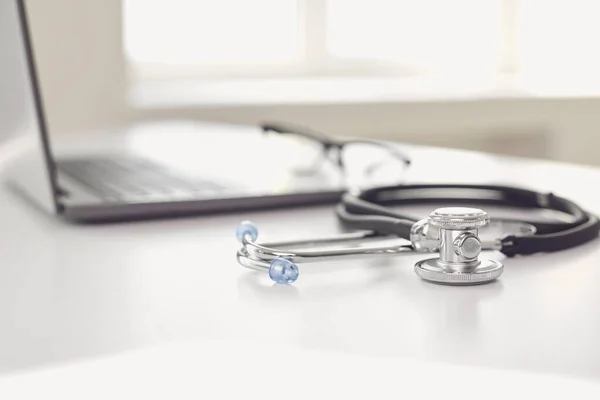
70 293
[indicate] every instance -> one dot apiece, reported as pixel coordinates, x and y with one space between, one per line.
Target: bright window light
559 36
427 34
279 38
186 32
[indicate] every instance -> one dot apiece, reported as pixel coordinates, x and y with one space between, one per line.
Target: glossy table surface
73 293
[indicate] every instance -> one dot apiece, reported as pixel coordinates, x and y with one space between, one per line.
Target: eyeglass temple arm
387 146
326 141
286 129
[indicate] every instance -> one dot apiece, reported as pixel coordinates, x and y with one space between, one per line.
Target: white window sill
171 94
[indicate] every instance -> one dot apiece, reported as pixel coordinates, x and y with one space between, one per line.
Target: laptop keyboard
132 178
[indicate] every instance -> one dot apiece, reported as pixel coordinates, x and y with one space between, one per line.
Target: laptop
116 186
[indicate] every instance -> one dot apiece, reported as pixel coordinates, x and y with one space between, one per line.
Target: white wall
85 80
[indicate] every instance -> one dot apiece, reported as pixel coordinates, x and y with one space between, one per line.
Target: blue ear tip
246 229
283 270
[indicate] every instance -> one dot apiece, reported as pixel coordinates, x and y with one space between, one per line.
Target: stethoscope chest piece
459 247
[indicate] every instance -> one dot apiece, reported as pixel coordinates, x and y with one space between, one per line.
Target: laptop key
125 178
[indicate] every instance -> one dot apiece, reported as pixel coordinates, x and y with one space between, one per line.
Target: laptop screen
22 127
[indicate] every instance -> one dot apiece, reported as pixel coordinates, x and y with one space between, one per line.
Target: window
424 35
211 37
558 38
279 38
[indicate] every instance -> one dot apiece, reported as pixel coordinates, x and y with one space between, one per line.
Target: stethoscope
457 234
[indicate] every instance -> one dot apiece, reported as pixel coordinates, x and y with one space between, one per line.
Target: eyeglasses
306 150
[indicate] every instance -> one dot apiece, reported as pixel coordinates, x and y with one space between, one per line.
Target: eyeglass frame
330 143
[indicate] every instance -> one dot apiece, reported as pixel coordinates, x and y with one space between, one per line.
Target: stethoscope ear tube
368 210
550 242
457 245
361 215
